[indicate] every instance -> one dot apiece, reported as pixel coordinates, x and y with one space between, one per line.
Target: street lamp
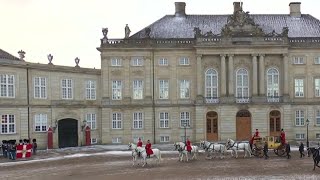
307 133
185 132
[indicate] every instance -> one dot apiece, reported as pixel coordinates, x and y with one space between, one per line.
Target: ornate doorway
275 123
68 133
212 126
243 125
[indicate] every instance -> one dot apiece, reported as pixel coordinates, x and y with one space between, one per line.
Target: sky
72 28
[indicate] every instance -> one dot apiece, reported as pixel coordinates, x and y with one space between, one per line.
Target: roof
171 26
6 55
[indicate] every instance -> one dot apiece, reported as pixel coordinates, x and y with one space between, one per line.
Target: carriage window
271 139
277 139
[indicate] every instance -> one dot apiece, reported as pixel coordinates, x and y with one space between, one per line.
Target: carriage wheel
281 151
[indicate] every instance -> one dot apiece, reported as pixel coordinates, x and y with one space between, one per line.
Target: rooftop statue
127 31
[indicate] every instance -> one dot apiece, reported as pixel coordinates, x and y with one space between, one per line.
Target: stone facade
223 85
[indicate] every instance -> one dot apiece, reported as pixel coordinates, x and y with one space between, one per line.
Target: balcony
242 100
212 100
274 99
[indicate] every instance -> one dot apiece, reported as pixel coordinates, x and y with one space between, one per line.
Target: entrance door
212 126
243 125
275 123
68 133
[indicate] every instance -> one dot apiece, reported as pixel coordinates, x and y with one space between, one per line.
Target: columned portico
254 75
230 70
261 75
223 75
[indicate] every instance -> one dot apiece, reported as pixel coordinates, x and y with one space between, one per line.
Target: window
184 61
115 62
7 85
137 120
242 83
184 119
298 60
298 87
317 87
318 117
40 122
116 121
8 124
163 89
40 90
116 140
138 89
184 89
163 62
299 118
184 139
91 121
317 60
300 136
164 139
164 120
116 90
211 81
136 138
94 140
137 62
273 82
91 90
66 88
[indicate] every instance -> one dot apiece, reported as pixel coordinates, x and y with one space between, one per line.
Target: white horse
136 150
182 148
213 148
234 146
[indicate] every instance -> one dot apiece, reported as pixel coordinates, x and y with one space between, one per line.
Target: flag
24 151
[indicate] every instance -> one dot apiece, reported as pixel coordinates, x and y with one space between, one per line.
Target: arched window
242 83
211 83
272 82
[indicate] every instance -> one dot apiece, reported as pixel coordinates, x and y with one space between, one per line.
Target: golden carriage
274 143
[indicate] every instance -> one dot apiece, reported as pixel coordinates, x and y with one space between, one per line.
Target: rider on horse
254 137
139 144
283 137
148 149
188 144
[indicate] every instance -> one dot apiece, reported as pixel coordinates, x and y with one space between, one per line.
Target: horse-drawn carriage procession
257 146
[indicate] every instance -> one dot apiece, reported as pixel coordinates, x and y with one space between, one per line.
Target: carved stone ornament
137 72
209 34
147 32
50 57
105 33
116 72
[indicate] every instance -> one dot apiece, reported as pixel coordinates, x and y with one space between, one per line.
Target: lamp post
185 132
307 133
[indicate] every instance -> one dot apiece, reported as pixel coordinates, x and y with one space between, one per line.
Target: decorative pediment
241 24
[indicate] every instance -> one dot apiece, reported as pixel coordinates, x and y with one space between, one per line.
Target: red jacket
148 149
283 138
256 134
139 144
189 148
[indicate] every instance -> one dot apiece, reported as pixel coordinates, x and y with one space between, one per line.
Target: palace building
206 77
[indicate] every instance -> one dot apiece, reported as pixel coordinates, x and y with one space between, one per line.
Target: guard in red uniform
148 149
255 135
139 144
188 144
283 137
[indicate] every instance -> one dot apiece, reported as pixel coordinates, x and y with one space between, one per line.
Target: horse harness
233 146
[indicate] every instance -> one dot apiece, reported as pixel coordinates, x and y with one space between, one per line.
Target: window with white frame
318 135
163 62
164 120
7 85
116 121
273 82
116 90
136 139
317 87
94 140
116 140
242 83
40 88
90 90
211 80
164 139
137 61
298 60
184 61
40 122
137 89
184 89
317 60
163 89
137 120
184 139
91 120
66 88
300 136
8 124
299 116
298 88
318 117
184 119
115 62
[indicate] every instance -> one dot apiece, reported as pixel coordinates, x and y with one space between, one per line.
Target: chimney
295 9
180 9
237 6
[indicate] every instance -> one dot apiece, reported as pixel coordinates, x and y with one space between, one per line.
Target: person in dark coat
265 150
34 146
301 150
288 150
